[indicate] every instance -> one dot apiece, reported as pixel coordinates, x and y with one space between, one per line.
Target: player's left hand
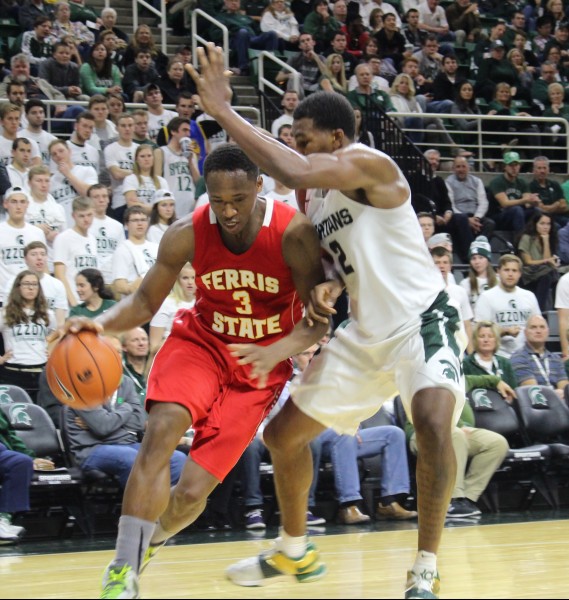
212 82
260 358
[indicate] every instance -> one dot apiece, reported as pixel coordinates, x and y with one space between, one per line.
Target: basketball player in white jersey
401 338
178 165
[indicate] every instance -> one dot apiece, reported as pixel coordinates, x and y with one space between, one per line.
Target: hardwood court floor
518 560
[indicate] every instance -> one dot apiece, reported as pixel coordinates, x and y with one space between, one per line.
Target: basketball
84 370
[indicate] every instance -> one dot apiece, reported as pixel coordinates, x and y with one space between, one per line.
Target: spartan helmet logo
480 399
19 415
5 398
103 232
147 254
536 397
449 370
88 248
512 304
20 240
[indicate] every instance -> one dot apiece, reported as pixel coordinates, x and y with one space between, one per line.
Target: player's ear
259 184
338 135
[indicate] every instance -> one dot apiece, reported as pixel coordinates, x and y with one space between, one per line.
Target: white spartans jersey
64 193
177 174
132 261
120 156
156 122
27 341
12 243
109 233
84 156
381 255
76 252
43 140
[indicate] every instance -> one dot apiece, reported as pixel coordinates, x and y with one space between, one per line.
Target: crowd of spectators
86 204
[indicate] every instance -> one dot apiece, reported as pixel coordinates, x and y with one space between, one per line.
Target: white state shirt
156 122
156 232
12 243
132 261
84 156
64 193
507 309
123 158
109 233
6 150
27 341
17 178
43 139
145 190
76 252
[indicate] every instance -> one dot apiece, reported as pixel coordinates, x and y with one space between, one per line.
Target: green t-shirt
82 311
514 190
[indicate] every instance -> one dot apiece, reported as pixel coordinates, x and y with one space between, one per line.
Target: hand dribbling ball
84 370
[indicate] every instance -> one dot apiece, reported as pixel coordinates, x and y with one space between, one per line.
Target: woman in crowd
486 369
278 17
538 250
525 72
117 107
175 81
162 215
375 21
182 296
25 322
62 25
99 75
94 296
321 25
481 274
465 104
362 136
333 74
139 188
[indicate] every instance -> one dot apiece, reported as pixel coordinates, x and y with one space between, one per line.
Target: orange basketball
84 370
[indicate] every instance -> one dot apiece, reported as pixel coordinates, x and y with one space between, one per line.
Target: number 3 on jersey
337 249
245 300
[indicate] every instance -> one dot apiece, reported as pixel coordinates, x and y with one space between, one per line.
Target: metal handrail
263 81
196 37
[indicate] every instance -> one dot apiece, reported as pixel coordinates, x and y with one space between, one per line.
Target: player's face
187 279
479 263
310 140
233 198
486 340
36 260
39 185
84 289
510 274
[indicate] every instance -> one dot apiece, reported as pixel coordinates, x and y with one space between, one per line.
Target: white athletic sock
293 547
425 561
132 540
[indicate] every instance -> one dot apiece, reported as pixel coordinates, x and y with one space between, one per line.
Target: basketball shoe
120 581
273 566
425 584
149 555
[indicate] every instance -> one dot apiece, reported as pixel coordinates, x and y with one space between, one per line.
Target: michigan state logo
5 398
480 399
536 397
512 303
449 370
18 414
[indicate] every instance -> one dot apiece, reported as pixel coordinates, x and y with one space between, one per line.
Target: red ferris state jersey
248 297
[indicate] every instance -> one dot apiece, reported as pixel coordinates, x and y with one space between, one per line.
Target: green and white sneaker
120 581
422 585
149 555
273 566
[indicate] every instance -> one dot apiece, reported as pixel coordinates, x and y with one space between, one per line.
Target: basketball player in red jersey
255 260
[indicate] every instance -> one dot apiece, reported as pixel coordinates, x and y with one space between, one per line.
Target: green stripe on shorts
439 323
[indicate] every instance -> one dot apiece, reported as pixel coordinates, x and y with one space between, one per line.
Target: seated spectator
175 81
10 116
37 44
117 107
481 274
134 256
365 97
321 25
139 75
136 363
534 364
482 48
463 17
158 116
525 71
507 305
557 108
378 81
289 101
469 205
427 223
486 369
537 248
109 21
62 25
430 61
444 85
25 323
479 452
140 188
344 452
162 215
279 18
110 42
80 12
94 297
338 46
75 248
465 104
306 65
143 39
357 35
515 202
99 75
17 464
432 18
183 296
107 438
552 200
413 35
334 75
63 74
391 43
19 168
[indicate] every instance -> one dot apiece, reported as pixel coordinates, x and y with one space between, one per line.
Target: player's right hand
322 300
77 324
